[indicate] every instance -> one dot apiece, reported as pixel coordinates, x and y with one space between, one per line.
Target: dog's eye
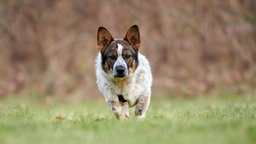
127 56
112 57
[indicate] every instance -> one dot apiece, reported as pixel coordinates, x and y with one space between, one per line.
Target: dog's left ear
133 37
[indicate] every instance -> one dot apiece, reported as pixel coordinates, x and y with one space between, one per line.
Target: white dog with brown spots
123 74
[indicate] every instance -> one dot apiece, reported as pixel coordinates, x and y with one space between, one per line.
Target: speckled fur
134 87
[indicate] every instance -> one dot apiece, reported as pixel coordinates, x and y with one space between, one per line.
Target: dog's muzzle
120 68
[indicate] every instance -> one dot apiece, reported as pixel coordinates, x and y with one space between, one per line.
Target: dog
123 74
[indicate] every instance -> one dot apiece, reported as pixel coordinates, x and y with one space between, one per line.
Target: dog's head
119 56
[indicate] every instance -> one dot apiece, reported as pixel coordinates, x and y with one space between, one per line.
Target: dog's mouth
119 75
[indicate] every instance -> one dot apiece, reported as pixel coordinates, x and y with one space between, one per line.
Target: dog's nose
120 69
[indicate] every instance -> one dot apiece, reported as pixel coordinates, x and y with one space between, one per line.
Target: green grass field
211 120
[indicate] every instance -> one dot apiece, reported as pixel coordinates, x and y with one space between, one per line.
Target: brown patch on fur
126 51
111 56
121 82
133 67
130 60
107 67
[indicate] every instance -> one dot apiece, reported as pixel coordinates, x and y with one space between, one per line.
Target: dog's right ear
104 38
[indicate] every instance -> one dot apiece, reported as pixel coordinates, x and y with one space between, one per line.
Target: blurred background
195 47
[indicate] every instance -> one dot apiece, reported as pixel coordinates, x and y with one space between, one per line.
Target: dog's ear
133 37
104 38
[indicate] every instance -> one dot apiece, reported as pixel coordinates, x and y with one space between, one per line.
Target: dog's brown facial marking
119 56
119 53
107 67
108 59
133 66
130 56
109 56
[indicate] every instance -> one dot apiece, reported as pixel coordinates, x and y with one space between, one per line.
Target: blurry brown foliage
194 46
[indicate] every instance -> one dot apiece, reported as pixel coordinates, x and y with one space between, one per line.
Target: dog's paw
121 116
140 117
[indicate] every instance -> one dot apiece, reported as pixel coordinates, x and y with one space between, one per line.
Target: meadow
220 120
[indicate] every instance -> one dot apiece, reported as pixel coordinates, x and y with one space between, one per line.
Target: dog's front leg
120 109
142 107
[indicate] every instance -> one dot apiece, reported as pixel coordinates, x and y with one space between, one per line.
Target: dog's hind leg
120 109
142 107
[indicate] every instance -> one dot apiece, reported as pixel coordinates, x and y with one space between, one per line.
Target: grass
220 120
